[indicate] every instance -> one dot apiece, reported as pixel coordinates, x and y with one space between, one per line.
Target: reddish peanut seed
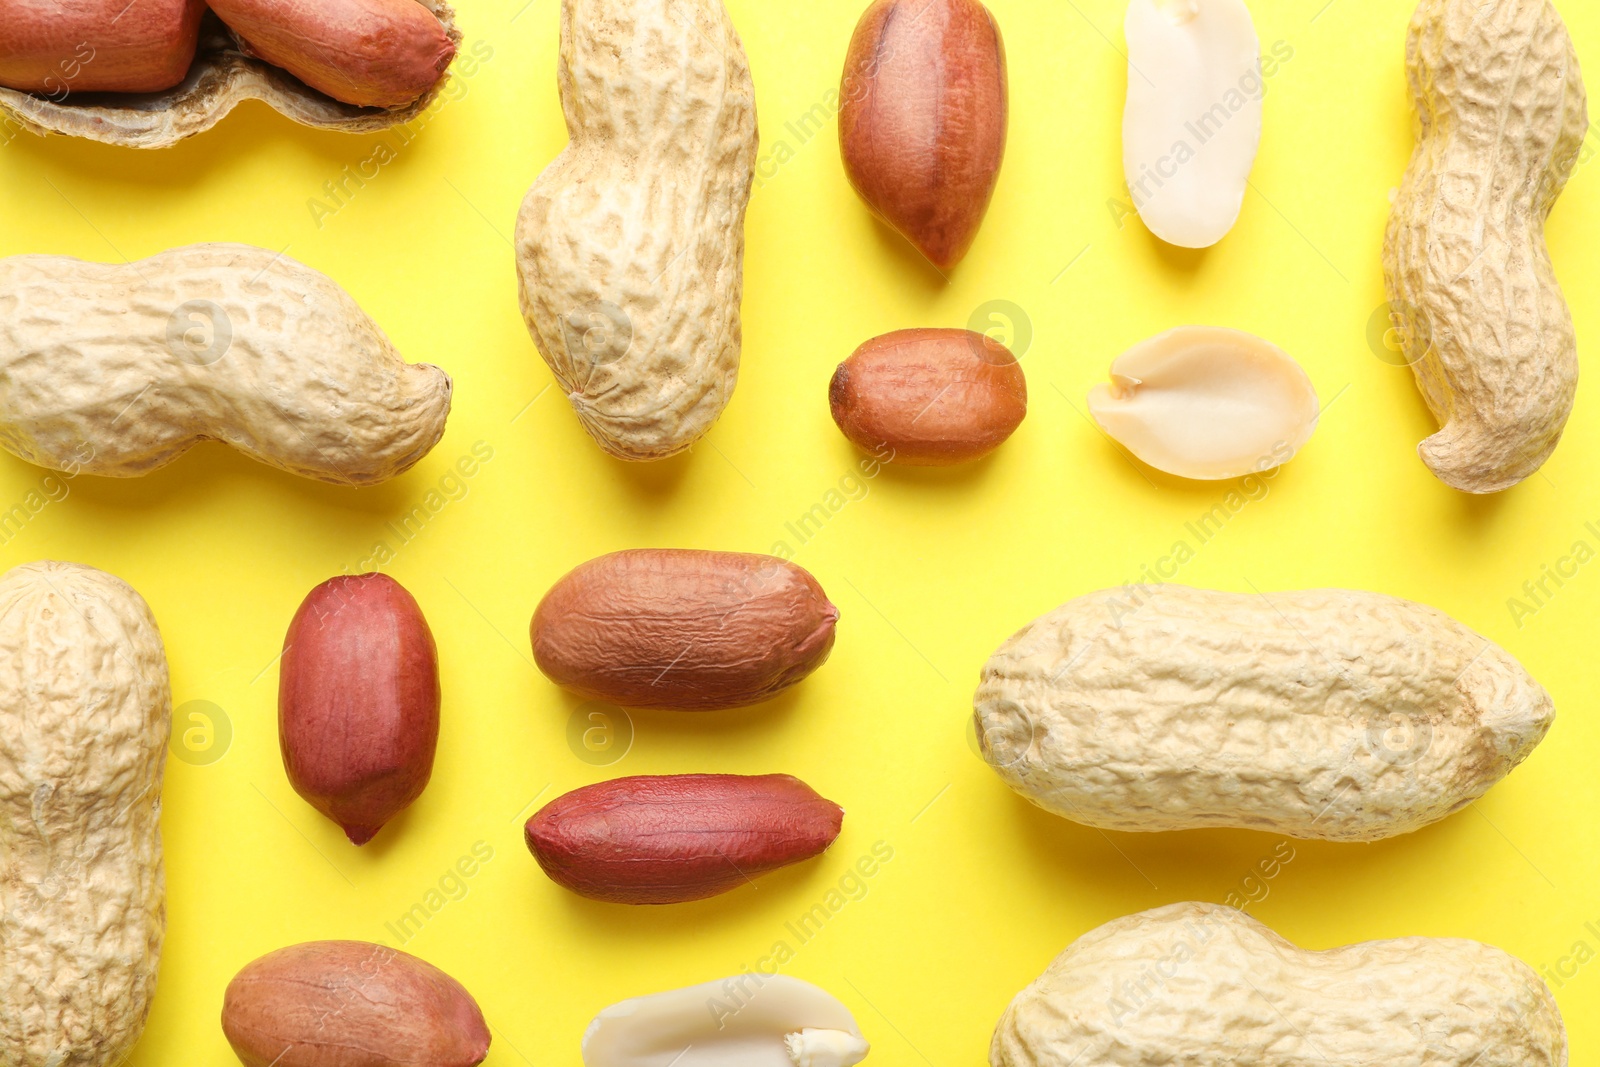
689 630
358 702
672 838
922 125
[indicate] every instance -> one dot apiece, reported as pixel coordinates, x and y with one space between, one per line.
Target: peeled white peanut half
1207 403
1192 123
749 1020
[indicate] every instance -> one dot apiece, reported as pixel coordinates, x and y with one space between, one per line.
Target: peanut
1202 983
630 246
87 712
929 397
117 369
1501 116
779 1021
370 53
1192 124
221 76
358 702
1325 714
1166 394
93 46
922 119
350 1004
672 838
690 630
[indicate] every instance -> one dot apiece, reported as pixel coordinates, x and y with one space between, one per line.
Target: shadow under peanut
1140 870
763 901
252 131
656 729
212 469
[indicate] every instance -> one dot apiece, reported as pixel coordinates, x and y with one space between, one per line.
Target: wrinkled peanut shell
1501 119
1326 714
630 245
83 738
118 369
1205 984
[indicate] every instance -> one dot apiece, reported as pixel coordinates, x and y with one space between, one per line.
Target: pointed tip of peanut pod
1470 470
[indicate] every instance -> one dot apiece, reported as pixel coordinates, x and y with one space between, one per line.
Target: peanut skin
673 838
1205 984
682 629
371 53
1501 118
83 737
350 1004
358 702
922 123
929 397
88 46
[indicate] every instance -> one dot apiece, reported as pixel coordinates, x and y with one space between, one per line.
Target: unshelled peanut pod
85 714
118 369
1501 118
1329 714
922 119
665 839
350 1004
630 245
358 702
224 72
1203 983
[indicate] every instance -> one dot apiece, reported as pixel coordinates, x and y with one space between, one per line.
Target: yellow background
931 570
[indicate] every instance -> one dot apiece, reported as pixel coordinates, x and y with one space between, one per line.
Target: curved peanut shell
630 245
118 369
666 839
358 702
1501 116
1327 714
922 119
682 629
221 77
1202 983
351 1004
929 397
85 712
